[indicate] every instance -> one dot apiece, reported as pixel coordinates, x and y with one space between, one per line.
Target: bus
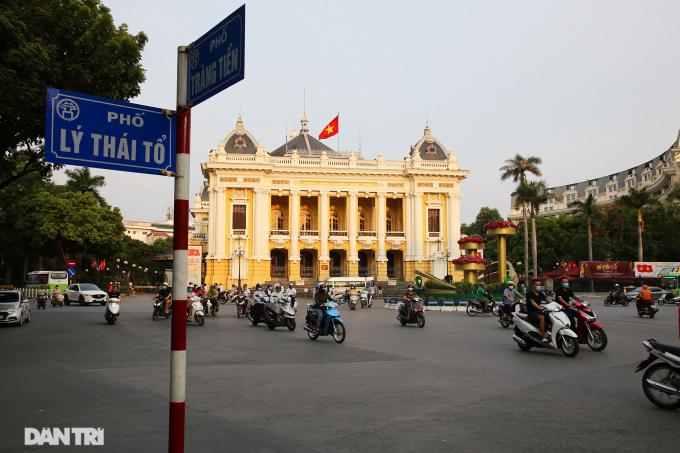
47 279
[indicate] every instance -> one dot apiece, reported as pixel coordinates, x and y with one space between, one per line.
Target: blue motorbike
331 325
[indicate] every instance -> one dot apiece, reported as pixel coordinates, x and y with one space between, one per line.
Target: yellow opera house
305 212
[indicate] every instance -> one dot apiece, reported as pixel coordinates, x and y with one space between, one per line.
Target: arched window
362 221
334 221
388 221
278 221
305 219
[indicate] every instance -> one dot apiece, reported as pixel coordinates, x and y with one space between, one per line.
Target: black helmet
258 286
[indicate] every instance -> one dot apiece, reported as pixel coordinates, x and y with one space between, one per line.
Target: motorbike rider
58 296
644 298
291 292
115 292
482 295
277 299
409 297
165 295
563 294
535 297
510 298
320 298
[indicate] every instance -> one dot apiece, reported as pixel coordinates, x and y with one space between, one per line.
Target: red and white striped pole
178 341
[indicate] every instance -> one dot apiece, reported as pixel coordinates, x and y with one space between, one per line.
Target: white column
261 202
382 214
212 219
353 212
294 225
418 237
221 228
324 216
408 225
453 227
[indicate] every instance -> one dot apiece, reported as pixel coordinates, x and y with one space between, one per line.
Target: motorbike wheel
200 320
651 315
569 346
660 302
254 322
496 310
66 301
312 335
339 332
597 341
625 303
110 319
154 316
505 324
271 326
291 324
661 373
471 310
223 301
238 311
420 319
402 321
607 302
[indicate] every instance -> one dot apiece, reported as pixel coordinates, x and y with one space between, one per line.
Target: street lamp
239 254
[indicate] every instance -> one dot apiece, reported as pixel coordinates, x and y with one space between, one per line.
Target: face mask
538 288
565 285
511 287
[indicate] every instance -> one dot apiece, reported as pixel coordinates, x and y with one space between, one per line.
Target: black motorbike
661 381
475 307
42 301
616 298
241 304
255 310
647 309
158 309
506 318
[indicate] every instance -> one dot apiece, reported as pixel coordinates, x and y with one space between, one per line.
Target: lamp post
239 254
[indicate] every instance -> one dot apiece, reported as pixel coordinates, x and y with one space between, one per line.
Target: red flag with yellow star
332 128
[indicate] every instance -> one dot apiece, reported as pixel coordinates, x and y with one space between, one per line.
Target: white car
14 309
84 293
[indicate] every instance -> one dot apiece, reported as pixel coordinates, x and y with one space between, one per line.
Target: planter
502 231
470 267
472 246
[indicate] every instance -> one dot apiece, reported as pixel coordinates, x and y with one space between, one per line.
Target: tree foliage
81 180
68 44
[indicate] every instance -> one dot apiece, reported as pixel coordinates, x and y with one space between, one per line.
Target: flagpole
338 132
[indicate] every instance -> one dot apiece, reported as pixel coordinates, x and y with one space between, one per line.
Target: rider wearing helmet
291 292
320 297
409 297
165 294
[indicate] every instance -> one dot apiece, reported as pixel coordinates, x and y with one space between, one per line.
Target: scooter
506 320
669 298
587 328
648 309
561 337
112 310
41 301
416 315
286 315
195 311
363 299
57 299
474 306
241 303
661 381
614 298
353 298
255 311
332 323
158 309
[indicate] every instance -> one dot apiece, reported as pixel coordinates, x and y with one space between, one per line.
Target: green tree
68 44
674 194
517 169
81 180
637 200
588 209
532 194
484 216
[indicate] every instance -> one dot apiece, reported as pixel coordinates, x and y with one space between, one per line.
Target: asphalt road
459 384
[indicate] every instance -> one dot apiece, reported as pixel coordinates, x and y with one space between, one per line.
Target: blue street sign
71 271
97 132
217 59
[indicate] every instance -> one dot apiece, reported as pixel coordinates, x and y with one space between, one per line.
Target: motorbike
293 302
561 336
158 309
332 323
589 331
506 319
352 303
416 315
669 298
58 299
614 298
195 312
648 309
112 310
474 306
661 381
363 299
41 301
241 303
212 307
255 311
222 297
286 315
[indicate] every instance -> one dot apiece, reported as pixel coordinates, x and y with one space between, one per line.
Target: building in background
150 232
306 212
658 175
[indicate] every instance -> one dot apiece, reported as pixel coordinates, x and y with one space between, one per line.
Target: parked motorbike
195 312
332 323
661 381
279 314
589 331
414 315
647 309
561 337
474 306
241 302
669 299
112 310
614 298
158 309
41 301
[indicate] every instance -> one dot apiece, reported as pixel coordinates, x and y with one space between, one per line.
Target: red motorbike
587 328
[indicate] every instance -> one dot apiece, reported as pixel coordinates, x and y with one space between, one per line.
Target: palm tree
81 180
638 200
517 169
588 209
535 194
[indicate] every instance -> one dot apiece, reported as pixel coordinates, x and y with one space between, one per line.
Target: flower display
500 224
470 260
474 238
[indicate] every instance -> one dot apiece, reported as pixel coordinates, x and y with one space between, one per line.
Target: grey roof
305 144
429 148
240 143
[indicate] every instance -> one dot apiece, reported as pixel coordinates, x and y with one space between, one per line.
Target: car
84 293
14 309
656 292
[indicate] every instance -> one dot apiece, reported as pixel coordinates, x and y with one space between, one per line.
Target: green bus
47 280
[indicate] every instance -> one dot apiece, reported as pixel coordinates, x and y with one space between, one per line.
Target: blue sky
589 86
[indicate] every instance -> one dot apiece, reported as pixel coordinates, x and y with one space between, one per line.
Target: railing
335 271
395 234
338 233
279 232
309 232
371 234
434 234
200 237
307 271
278 271
238 232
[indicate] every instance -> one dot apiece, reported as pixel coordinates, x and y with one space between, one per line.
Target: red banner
606 269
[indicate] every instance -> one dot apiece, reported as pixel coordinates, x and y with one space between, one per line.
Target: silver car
14 309
655 290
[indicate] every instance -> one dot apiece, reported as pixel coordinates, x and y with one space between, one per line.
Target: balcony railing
309 232
395 234
200 237
238 232
307 271
433 234
365 233
338 233
279 232
278 272
335 271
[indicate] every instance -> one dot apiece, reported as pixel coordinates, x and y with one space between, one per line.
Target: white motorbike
112 310
196 313
561 336
363 298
